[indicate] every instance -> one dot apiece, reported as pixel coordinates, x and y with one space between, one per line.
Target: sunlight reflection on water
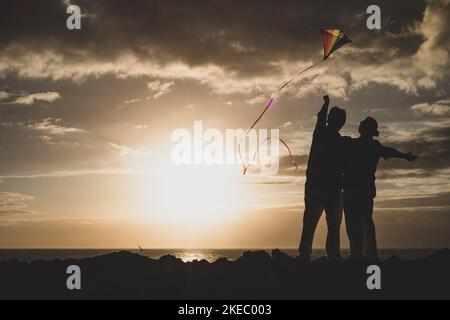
198 255
186 255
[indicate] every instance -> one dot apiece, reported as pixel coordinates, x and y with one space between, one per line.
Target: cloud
32 98
161 88
230 50
214 48
439 108
128 151
4 95
213 52
432 145
433 54
51 126
257 100
441 201
336 86
133 101
286 167
14 204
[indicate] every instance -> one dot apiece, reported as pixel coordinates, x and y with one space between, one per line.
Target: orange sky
86 119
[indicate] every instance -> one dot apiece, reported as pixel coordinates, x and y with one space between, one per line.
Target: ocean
186 255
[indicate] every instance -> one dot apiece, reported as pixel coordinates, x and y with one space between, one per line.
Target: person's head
369 128
337 118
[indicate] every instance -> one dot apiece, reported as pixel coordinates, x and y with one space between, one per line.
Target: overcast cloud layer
94 101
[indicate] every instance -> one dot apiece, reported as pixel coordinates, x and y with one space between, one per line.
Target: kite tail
290 154
257 152
269 104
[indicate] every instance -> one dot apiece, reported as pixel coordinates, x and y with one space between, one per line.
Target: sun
195 195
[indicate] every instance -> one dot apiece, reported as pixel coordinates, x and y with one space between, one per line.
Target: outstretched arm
322 115
390 153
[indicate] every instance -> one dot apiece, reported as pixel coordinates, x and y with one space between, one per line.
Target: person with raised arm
323 189
362 157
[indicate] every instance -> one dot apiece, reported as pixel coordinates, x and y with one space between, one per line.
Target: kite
333 39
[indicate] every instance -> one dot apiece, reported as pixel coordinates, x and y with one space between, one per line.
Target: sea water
186 255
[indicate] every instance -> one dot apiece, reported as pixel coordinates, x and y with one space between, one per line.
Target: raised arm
322 115
390 153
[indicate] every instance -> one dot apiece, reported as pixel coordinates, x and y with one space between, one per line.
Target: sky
86 118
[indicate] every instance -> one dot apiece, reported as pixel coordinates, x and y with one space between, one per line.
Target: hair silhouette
337 118
369 128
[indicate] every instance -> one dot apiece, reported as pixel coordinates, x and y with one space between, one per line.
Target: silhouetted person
362 157
323 189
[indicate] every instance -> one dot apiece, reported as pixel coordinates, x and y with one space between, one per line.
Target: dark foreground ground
256 275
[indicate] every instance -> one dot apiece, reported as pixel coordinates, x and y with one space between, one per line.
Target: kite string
269 104
298 75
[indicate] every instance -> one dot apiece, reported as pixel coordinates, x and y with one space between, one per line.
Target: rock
255 275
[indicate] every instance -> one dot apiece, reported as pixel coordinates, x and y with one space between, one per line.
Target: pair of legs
358 206
316 201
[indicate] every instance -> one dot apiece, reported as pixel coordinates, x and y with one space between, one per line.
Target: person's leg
333 209
370 237
311 217
353 221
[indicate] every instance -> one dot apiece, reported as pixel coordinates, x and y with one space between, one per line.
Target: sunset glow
87 119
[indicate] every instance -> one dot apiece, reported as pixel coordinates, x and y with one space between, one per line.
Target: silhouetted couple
341 175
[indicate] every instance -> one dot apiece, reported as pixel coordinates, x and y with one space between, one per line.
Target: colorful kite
333 39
